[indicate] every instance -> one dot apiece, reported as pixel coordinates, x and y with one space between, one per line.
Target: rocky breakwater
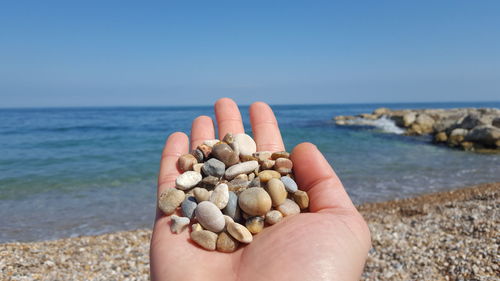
465 128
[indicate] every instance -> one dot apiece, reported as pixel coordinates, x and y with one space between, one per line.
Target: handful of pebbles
230 192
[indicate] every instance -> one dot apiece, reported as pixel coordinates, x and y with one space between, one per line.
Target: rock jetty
465 128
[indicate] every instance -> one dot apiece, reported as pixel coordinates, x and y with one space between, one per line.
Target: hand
330 242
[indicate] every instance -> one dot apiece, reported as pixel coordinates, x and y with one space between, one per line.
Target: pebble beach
451 235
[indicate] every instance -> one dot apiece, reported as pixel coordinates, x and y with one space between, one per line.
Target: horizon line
240 105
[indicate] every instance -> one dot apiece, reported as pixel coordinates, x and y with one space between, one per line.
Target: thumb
314 175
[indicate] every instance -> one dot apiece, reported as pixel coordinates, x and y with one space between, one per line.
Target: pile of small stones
230 192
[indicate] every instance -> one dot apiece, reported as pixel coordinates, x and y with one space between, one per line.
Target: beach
452 235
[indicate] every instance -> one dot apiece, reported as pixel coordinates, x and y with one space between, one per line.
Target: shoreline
437 236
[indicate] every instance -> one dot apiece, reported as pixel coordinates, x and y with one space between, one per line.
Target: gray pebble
214 167
188 206
241 168
232 209
210 217
290 184
178 224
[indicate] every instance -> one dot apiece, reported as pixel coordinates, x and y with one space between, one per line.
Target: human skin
330 242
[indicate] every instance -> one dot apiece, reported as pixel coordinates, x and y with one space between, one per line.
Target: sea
66 172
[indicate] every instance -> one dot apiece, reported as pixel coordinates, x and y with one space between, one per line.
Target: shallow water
73 171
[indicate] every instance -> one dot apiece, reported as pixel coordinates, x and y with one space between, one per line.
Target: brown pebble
209 182
205 149
266 175
186 162
289 208
262 155
280 154
226 243
283 166
224 153
301 198
239 232
251 176
170 199
201 194
204 238
267 164
273 217
277 191
255 224
198 155
255 201
246 158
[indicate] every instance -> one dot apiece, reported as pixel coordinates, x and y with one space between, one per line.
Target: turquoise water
73 171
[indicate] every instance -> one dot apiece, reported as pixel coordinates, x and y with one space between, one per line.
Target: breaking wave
384 124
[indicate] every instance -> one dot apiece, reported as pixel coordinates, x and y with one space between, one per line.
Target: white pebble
188 180
245 143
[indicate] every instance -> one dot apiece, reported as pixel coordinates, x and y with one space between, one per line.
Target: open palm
330 242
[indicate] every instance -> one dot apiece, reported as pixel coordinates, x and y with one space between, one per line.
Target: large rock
426 123
409 118
475 119
457 136
486 135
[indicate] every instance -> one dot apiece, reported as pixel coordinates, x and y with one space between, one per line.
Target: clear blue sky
84 53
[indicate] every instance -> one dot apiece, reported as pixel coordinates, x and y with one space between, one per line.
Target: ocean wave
384 124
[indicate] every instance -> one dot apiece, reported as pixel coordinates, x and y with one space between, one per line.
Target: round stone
255 201
255 224
239 232
288 208
246 144
187 180
201 194
170 199
280 154
266 175
277 191
225 153
283 166
232 209
178 224
273 217
226 243
186 162
220 196
210 216
241 168
206 239
214 167
301 198
290 184
188 206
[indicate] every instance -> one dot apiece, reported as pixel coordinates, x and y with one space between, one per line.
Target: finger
228 117
177 145
202 129
265 128
314 174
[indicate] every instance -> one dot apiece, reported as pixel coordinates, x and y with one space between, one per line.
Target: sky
124 53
